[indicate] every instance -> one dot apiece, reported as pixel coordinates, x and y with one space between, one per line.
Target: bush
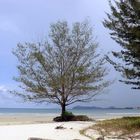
81 118
71 117
67 113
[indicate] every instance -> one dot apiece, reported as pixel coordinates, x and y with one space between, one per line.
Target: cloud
3 89
4 93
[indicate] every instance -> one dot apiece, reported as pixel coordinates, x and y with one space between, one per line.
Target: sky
29 21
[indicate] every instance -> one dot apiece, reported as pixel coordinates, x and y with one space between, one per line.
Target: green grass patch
125 124
125 128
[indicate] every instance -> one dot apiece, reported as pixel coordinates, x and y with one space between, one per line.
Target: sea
94 113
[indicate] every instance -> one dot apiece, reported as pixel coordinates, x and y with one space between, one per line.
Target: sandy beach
24 127
24 119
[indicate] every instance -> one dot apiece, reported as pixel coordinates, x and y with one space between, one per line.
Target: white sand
23 132
24 119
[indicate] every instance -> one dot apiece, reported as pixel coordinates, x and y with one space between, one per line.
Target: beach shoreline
25 119
47 130
38 119
23 127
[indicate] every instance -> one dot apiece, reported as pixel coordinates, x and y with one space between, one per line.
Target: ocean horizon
95 113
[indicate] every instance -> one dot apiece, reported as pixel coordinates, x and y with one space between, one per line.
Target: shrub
67 113
71 117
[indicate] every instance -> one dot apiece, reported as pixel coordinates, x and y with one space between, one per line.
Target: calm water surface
95 113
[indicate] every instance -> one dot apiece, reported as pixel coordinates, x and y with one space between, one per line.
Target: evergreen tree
124 23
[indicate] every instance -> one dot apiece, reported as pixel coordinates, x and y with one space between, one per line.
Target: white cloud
3 89
4 93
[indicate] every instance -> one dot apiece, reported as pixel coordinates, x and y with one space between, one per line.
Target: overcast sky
29 20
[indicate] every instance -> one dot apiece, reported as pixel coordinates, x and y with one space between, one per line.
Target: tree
64 69
124 23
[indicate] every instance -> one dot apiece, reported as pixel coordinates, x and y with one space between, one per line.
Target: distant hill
86 107
95 107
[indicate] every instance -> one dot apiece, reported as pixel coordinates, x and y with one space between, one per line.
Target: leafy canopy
64 69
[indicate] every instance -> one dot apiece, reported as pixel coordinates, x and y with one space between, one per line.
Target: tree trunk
63 107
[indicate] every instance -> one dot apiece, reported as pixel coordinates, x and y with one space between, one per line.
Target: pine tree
124 23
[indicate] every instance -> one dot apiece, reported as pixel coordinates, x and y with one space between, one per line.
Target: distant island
111 107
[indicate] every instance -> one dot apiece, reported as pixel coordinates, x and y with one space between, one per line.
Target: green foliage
67 113
70 117
63 69
124 24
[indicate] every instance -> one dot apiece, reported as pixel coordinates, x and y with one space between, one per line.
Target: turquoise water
95 113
